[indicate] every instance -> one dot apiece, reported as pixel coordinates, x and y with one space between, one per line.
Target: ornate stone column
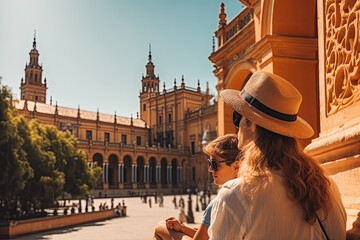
338 144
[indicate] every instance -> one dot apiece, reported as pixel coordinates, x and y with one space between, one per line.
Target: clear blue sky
94 51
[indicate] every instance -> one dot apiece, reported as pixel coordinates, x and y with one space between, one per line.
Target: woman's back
271 214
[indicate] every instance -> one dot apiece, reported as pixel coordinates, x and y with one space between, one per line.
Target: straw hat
271 102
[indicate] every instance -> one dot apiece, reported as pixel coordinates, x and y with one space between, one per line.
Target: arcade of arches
137 172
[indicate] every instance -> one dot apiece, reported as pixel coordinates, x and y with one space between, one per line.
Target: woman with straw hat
280 192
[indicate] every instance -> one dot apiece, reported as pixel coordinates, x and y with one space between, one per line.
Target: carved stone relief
342 49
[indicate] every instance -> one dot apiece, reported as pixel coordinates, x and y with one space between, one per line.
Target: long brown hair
304 178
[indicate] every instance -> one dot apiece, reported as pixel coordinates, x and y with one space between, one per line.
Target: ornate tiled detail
342 49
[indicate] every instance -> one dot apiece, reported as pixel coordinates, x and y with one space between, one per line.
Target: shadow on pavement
47 235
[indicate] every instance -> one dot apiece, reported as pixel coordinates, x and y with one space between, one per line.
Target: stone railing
153 148
237 24
191 89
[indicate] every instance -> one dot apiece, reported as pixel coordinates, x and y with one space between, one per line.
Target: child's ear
236 165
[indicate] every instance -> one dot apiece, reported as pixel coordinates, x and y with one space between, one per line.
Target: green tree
14 170
79 177
58 167
48 182
37 164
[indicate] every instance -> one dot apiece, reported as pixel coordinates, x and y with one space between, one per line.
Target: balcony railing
113 186
83 141
153 148
127 146
98 143
140 147
201 111
191 89
114 144
238 23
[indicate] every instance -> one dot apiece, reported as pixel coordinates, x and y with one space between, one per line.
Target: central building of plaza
158 151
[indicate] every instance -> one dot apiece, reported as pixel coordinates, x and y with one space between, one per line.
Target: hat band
271 112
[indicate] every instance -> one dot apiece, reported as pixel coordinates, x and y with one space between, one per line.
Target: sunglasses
214 164
236 118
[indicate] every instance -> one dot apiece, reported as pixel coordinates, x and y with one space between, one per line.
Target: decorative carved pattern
342 49
237 57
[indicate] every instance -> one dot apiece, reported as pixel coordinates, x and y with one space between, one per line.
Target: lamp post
204 142
197 203
190 215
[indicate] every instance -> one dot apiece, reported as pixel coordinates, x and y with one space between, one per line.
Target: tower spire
150 66
34 42
149 58
222 16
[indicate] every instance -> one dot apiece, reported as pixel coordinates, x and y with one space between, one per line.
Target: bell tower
150 83
33 88
149 89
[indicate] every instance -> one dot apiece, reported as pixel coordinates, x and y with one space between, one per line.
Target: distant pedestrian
150 202
156 200
181 202
86 204
118 211
182 215
174 201
161 201
80 209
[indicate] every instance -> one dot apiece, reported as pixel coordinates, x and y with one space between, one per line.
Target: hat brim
296 129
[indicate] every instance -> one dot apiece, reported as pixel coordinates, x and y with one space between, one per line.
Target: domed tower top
34 55
150 66
34 50
150 83
33 88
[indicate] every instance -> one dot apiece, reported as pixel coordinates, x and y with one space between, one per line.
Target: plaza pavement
139 223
